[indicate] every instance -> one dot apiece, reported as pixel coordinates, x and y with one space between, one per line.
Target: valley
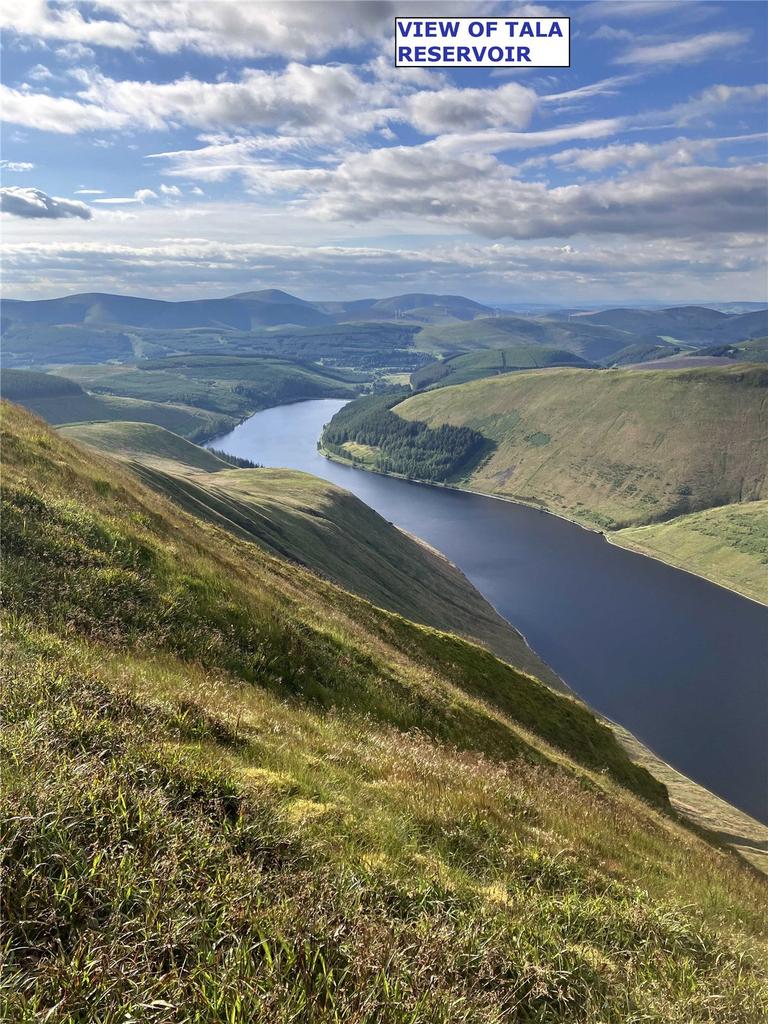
245 731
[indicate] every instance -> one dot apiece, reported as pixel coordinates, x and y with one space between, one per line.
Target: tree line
410 448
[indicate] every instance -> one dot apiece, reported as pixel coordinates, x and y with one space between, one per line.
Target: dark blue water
680 662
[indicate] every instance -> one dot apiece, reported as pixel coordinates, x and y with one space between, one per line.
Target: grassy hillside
614 448
223 384
236 793
595 343
17 385
727 544
148 442
60 400
490 363
298 516
753 351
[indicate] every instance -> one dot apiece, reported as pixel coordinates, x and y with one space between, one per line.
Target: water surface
680 662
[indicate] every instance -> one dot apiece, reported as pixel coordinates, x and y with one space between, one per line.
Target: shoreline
606 535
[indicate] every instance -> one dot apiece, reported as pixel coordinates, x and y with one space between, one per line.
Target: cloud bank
36 204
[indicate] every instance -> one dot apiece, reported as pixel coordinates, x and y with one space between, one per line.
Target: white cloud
295 29
89 192
683 51
36 204
480 194
710 102
16 165
39 73
494 141
629 9
298 97
179 268
170 190
310 101
451 109
604 87
37 18
141 195
75 52
636 154
241 28
56 113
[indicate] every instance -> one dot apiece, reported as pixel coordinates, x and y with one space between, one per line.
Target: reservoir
682 663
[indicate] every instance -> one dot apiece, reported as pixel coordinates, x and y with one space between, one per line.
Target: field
233 788
728 545
613 448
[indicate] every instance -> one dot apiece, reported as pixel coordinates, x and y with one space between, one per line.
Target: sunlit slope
614 448
303 518
727 544
232 788
153 443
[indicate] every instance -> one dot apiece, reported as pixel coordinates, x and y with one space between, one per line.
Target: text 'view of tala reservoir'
677 660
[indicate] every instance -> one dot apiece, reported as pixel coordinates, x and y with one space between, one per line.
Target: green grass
314 523
625 447
234 793
728 545
146 441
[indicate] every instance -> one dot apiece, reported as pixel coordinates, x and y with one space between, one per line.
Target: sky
195 148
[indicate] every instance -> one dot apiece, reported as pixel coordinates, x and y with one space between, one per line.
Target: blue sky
183 149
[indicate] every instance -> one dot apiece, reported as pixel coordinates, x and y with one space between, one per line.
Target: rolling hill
232 385
490 363
243 312
594 342
60 400
692 324
198 397
237 789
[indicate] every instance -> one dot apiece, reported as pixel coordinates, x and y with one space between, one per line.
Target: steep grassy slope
490 363
213 812
317 524
614 448
727 544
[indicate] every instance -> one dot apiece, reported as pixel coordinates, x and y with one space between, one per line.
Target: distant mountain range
98 327
242 312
